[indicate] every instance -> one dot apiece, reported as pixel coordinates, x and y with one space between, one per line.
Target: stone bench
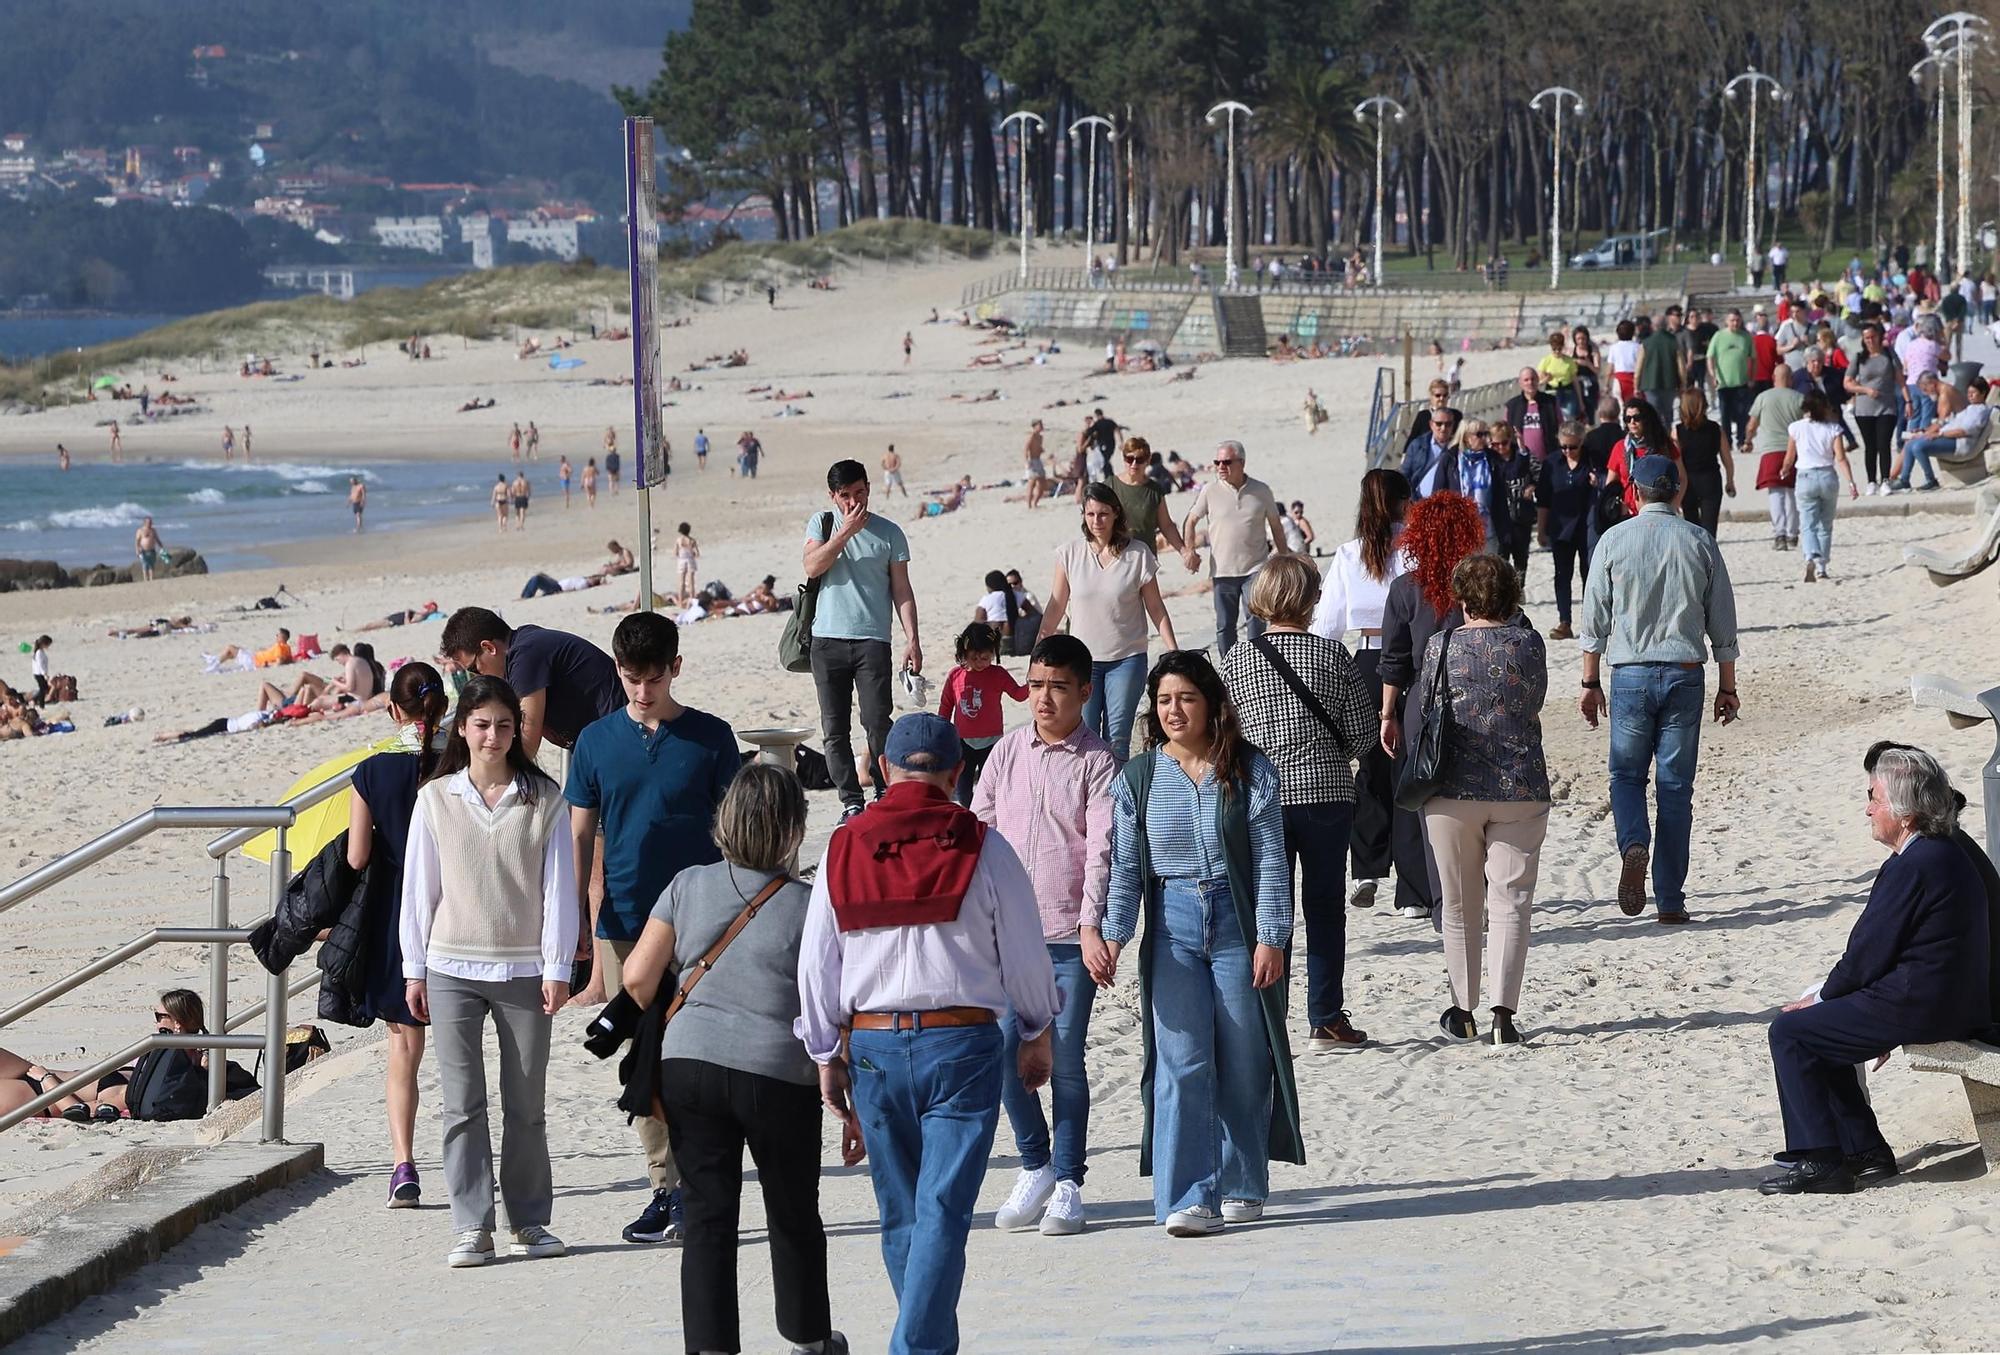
1978 1067
1963 704
1946 569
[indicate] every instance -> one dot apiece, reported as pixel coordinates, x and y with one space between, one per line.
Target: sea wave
284 470
309 487
207 496
24 525
119 515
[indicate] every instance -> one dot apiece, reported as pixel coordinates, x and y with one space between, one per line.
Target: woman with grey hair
732 1074
1916 970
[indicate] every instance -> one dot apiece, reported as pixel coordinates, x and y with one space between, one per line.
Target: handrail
111 959
310 979
138 1049
253 820
305 799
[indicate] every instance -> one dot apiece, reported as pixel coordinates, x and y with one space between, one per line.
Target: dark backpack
167 1084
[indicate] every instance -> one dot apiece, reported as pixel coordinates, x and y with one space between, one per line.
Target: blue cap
924 736
1656 472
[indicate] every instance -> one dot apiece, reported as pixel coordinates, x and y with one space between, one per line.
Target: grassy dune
479 305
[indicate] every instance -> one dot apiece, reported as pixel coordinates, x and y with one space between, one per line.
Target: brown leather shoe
1562 632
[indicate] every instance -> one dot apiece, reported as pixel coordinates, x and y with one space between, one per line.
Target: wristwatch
1592 685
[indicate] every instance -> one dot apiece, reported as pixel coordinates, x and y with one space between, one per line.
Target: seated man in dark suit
1916 970
1989 876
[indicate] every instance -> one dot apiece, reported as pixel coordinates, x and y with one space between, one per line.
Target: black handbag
795 641
1422 771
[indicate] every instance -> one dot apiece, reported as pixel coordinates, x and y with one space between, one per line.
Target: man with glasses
1565 496
1245 529
1427 453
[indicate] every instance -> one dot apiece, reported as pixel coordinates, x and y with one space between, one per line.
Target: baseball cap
924 736
1656 472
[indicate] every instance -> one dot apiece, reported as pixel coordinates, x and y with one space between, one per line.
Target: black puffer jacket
328 893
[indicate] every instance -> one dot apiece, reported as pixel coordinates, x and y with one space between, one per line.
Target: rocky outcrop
25 576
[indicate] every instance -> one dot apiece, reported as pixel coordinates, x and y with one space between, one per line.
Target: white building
548 235
410 232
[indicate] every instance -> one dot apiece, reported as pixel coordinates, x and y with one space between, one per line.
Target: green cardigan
1287 1140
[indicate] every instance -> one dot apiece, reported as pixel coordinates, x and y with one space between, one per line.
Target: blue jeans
929 1102
538 584
1212 1062
1656 718
1069 1086
1917 454
1115 691
1229 595
1316 837
1818 493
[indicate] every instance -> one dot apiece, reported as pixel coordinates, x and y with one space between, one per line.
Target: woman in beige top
1108 585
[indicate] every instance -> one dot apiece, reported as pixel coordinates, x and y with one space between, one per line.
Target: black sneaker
1503 1032
850 811
1457 1024
661 1220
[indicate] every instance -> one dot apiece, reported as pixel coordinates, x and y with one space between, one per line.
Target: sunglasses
1227 461
1572 446
161 1016
1137 460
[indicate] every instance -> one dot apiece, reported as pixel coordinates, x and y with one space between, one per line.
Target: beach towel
558 363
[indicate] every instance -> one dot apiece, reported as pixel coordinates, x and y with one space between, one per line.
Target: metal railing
244 823
1389 423
1655 278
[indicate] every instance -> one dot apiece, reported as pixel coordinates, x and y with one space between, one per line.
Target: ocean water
231 514
25 335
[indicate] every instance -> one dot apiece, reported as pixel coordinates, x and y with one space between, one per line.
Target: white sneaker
1362 895
535 1242
1242 1211
1198 1221
1413 910
1024 1204
473 1248
1065 1216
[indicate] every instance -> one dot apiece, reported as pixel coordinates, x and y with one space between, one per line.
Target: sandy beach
1592 1191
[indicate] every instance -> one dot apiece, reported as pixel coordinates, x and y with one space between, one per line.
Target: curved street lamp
1751 79
1954 38
1230 108
1382 105
1936 62
1093 122
1559 94
1024 117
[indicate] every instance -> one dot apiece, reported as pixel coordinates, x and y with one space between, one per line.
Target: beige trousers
660 1168
1488 852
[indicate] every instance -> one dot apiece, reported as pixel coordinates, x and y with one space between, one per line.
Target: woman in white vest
489 928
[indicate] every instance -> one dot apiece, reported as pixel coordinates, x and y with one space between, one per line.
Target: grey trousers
459 1008
844 671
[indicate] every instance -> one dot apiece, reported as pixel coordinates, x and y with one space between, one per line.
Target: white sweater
488 894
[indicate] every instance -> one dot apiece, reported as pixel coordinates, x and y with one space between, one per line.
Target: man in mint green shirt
1729 355
862 561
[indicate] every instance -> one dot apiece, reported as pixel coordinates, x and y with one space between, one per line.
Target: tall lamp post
1559 95
1229 108
1381 105
1954 38
1936 63
1751 79
1024 117
1093 122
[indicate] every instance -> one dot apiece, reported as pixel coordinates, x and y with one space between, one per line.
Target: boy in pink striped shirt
1047 789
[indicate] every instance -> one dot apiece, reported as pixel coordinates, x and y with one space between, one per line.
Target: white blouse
1350 598
1816 443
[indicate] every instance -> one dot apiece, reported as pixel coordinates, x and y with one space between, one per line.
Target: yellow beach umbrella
317 824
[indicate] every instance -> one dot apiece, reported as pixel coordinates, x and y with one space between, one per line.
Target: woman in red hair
1439 532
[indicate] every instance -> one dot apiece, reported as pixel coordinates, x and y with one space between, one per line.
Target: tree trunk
866 204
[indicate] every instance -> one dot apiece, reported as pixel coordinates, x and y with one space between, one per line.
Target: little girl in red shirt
971 700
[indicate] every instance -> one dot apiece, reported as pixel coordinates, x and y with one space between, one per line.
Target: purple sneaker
404 1192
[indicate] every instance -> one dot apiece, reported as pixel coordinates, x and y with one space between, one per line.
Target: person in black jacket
1537 434
378 829
1916 970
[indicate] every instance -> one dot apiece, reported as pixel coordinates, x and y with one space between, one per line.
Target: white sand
1591 1191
